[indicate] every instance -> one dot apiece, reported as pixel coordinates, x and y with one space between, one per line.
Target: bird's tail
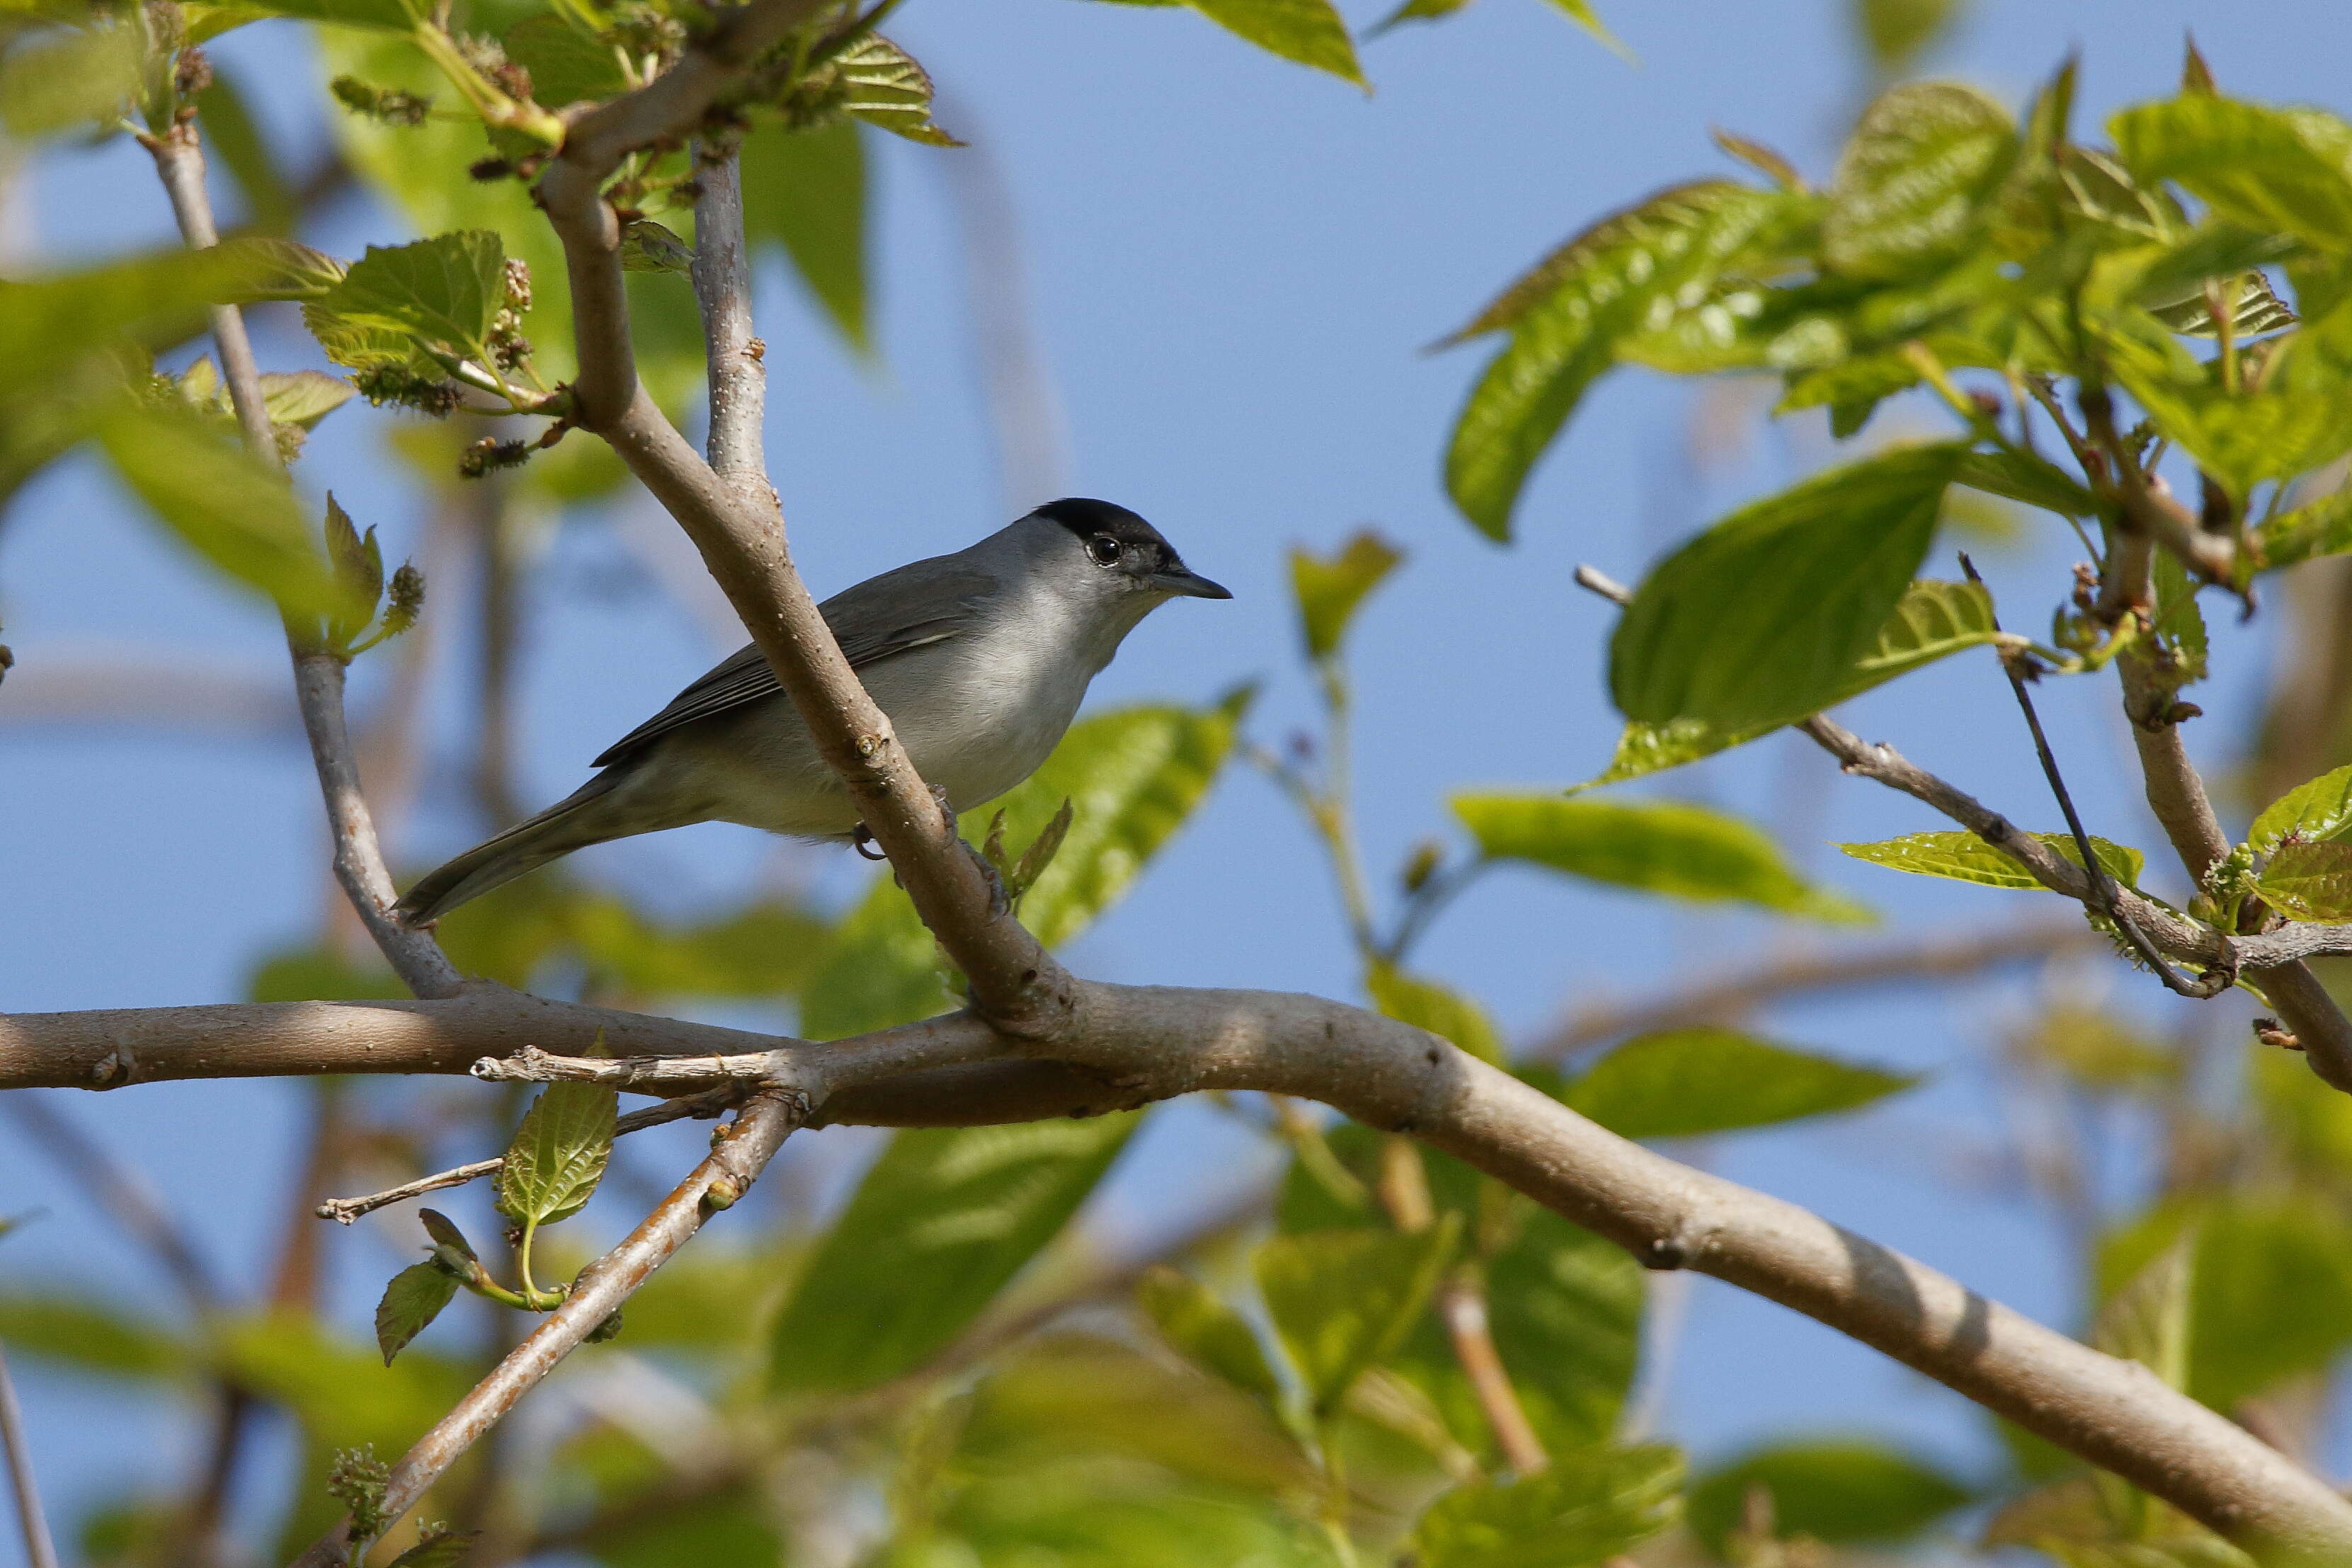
571 823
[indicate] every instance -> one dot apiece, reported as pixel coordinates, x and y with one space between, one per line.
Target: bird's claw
861 839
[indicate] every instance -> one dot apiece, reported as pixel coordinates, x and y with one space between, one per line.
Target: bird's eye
1104 549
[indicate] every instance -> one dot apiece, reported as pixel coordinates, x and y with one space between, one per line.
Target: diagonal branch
40 1552
738 1158
1013 980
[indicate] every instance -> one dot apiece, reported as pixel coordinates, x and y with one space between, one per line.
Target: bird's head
1115 551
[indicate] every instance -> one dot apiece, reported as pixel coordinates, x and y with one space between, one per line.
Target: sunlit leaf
807 191
1311 32
1668 847
1838 1492
1687 1083
559 1153
944 1219
1914 185
60 77
2309 882
1440 1010
566 63
444 290
1328 592
1964 857
2267 169
2315 810
888 89
1588 1507
1343 1300
1190 1316
413 1298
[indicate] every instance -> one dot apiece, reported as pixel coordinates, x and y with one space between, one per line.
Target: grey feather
901 609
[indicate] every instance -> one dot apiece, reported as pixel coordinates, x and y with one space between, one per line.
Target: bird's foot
861 839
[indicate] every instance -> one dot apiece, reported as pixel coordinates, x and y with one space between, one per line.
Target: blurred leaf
1914 185
1207 1331
2309 882
566 63
232 136
322 975
2270 1292
1309 32
54 79
343 1394
1838 1492
2099 1051
2267 169
2021 476
413 1298
1587 1508
1131 775
807 191
647 246
2314 810
1440 1010
1931 620
1344 1299
2255 309
49 324
1567 318
1897 32
559 1153
2072 1522
1667 847
92 1336
1764 160
2318 528
443 1549
944 1219
2148 1320
1686 1083
444 290
1328 591
221 501
1761 619
1964 857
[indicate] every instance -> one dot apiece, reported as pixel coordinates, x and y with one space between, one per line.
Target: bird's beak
1186 583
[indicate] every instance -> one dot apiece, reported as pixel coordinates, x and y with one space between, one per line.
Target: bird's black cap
1086 519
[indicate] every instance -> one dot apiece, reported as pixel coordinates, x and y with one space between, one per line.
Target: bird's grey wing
922 602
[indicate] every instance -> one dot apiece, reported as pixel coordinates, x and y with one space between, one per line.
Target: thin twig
711 1103
40 1552
748 1143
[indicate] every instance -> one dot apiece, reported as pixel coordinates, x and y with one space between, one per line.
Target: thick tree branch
734 1163
734 359
1013 980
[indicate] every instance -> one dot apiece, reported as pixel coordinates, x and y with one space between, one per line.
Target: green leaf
1587 1508
1342 1300
413 1298
1440 1010
2021 476
60 77
2309 882
1761 620
2147 1320
445 291
2263 168
1686 1083
1964 857
1567 318
221 501
1898 31
807 191
2319 528
1932 619
1328 591
442 1549
566 63
303 398
2315 810
1309 32
559 1153
231 135
1669 847
1838 1492
944 1219
1914 185
92 1336
888 89
1190 1317
322 974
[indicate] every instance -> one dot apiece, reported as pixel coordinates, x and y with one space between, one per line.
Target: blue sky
1232 264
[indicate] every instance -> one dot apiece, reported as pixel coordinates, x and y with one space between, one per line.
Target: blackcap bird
980 659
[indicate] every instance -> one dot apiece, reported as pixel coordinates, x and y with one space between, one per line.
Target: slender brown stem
40 1552
751 1141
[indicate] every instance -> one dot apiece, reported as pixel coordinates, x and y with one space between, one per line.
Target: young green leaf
1342 1300
1914 185
1687 1083
1328 592
443 291
1668 847
55 79
1440 1010
806 191
303 398
2309 882
1311 32
567 65
1567 318
2318 528
1762 619
2147 1320
438 1549
1190 1317
2318 809
413 1298
887 88
2266 168
944 1219
1588 1508
444 1231
1964 857
1837 1493
222 502
559 1153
